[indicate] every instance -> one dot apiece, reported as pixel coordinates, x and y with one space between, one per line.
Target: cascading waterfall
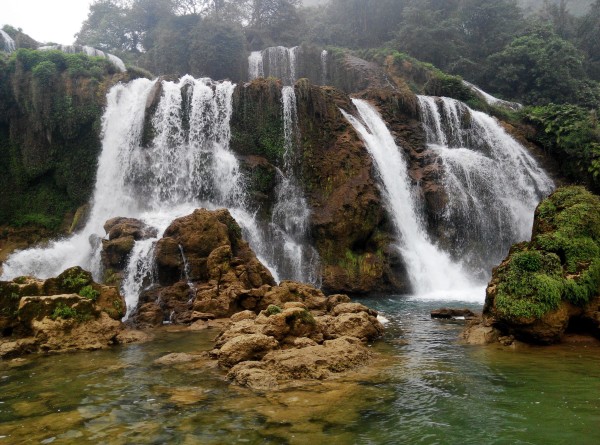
9 44
297 259
276 61
431 271
492 183
255 65
88 51
187 165
324 73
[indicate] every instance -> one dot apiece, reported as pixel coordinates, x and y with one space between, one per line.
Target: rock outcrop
314 339
67 313
551 285
204 270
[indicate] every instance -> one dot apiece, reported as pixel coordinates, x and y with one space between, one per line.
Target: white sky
45 20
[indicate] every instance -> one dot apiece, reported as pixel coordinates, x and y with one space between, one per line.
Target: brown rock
359 325
447 313
128 227
149 315
244 348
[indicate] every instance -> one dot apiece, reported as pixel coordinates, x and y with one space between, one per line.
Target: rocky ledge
67 313
550 286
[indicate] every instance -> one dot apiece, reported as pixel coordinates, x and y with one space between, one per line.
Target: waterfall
255 65
324 73
9 44
491 100
291 214
186 165
431 271
493 184
88 51
276 61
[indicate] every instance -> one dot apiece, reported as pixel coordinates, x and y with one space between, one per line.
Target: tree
538 68
588 37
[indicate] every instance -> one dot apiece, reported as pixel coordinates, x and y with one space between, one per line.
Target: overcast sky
46 20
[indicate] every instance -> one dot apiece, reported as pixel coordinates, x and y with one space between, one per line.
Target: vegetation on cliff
50 109
560 265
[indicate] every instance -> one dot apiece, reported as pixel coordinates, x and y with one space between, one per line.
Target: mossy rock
558 269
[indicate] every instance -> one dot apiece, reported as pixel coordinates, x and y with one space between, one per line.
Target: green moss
272 310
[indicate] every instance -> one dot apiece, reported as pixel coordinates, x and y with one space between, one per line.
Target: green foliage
272 310
49 121
571 134
89 292
75 281
539 68
65 312
562 263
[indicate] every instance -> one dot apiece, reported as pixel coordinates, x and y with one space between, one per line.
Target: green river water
426 389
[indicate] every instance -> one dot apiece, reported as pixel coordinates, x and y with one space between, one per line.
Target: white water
324 73
432 273
187 165
9 44
493 184
491 100
276 61
291 214
89 51
255 65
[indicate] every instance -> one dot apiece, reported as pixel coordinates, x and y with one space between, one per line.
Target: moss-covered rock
544 284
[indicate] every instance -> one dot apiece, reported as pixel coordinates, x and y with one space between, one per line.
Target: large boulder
203 266
65 313
551 284
121 233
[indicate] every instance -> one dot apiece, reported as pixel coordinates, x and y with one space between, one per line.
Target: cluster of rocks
205 271
311 337
66 313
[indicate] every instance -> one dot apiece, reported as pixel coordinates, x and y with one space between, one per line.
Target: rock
360 325
175 358
447 313
334 300
352 308
244 348
252 375
129 227
549 285
292 291
133 336
115 252
479 334
244 315
149 315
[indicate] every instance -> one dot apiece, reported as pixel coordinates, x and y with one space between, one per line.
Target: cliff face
50 111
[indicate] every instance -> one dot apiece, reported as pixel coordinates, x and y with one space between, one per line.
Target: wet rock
149 315
448 313
246 347
360 325
128 227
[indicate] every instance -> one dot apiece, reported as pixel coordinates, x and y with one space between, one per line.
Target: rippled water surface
426 389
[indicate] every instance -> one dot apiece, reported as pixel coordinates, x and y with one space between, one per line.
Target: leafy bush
89 292
65 312
571 134
272 310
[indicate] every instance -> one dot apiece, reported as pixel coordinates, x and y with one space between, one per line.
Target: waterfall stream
431 271
186 165
9 44
291 212
88 51
276 61
493 186
492 183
